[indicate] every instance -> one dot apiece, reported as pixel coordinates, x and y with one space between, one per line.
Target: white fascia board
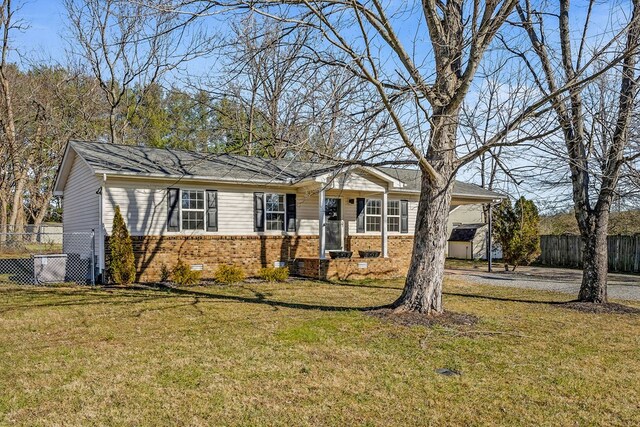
190 178
325 177
64 170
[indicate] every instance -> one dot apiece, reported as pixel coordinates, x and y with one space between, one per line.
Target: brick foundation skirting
399 248
252 253
346 269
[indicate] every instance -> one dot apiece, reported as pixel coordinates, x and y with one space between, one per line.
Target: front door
333 228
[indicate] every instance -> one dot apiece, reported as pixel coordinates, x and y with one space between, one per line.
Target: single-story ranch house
252 212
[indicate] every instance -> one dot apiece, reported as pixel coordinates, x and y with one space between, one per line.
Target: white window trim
399 216
283 212
366 215
203 210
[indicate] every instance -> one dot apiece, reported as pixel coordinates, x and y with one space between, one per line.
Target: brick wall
399 248
346 269
255 252
249 252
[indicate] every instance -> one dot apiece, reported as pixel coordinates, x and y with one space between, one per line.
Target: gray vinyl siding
358 182
80 201
144 207
80 204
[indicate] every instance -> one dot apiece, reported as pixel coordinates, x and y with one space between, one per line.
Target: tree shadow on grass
507 299
76 299
258 298
365 285
142 293
147 293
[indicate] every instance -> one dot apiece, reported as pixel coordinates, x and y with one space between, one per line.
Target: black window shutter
404 216
173 209
291 212
360 213
212 210
258 211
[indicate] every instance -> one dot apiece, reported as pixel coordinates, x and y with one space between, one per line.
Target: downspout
101 231
383 227
489 238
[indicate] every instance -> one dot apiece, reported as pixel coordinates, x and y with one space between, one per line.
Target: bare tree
496 101
41 107
278 101
14 177
126 43
420 60
594 127
50 105
418 83
68 106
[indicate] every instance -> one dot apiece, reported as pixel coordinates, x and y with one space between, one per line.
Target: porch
359 204
393 266
378 209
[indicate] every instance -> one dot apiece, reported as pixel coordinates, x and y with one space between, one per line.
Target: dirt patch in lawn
448 318
608 308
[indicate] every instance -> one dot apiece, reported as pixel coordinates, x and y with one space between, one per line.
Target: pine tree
122 264
517 229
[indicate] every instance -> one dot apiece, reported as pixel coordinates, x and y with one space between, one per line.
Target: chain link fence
40 258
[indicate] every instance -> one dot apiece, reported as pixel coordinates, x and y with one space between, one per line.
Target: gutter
158 176
288 182
101 248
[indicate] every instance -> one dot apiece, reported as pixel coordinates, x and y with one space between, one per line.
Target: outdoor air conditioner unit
49 268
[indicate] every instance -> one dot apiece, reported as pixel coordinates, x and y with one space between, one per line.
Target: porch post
489 241
385 253
321 224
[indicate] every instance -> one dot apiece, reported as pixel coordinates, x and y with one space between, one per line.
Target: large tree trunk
16 219
423 287
39 218
594 269
112 126
4 211
595 259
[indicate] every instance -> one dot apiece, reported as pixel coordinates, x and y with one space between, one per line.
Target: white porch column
322 224
385 252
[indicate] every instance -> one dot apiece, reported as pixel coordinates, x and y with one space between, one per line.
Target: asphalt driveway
621 286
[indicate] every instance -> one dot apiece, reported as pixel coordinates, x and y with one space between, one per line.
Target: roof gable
64 169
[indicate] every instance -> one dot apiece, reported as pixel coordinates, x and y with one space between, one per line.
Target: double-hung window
369 216
393 215
373 215
193 209
274 211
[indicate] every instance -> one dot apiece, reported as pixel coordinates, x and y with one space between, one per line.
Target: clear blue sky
43 39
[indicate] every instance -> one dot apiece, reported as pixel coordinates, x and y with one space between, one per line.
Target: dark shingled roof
411 177
464 233
138 160
131 159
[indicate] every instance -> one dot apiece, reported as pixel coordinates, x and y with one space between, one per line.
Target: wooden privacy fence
566 251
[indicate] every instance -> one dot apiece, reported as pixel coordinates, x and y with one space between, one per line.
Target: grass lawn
25 250
275 354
